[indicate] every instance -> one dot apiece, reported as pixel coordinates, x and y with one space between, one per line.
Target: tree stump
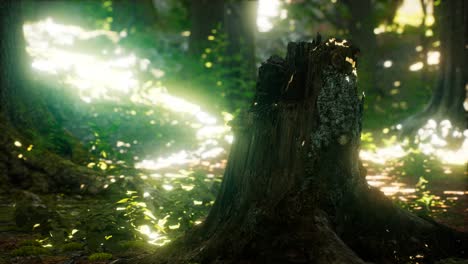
294 190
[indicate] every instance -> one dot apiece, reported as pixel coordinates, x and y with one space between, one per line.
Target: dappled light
46 40
156 128
111 74
267 10
431 140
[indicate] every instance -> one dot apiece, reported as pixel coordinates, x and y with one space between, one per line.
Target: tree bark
240 24
205 16
127 14
450 91
294 190
361 29
235 25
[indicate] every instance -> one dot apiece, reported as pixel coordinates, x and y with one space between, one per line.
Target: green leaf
124 200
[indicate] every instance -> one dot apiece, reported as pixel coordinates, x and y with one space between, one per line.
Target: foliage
104 226
30 251
452 261
137 246
100 256
30 242
72 246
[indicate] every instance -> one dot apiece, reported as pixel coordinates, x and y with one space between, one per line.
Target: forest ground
426 188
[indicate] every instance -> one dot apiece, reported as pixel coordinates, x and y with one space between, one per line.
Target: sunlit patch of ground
180 183
429 177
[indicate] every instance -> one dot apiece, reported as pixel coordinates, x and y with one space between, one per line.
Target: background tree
205 16
27 123
228 28
363 17
450 91
356 21
240 22
128 15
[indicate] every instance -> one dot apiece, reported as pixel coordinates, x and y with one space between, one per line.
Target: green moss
100 256
72 246
136 245
30 251
452 261
29 242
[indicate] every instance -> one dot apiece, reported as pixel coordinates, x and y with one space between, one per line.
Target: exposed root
378 230
22 165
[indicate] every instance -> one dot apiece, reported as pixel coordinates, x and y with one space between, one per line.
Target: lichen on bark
338 108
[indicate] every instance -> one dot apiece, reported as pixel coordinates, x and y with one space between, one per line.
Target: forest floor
425 188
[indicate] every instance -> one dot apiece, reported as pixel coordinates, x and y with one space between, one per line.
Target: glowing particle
168 187
433 57
416 66
387 63
18 144
172 227
394 91
103 165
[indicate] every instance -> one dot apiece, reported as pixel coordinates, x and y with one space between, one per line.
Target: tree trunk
240 24
205 16
361 29
294 190
450 91
126 14
235 25
25 120
13 58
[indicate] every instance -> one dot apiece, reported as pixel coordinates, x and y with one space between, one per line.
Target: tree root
378 230
24 166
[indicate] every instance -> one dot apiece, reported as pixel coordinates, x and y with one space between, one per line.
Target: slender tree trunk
126 14
450 91
294 190
361 29
240 26
13 58
205 16
25 120
235 25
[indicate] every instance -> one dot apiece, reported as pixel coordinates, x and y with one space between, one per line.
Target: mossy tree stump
294 190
